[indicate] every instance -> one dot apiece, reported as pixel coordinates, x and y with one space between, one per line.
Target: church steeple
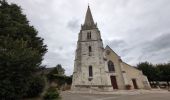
89 22
89 18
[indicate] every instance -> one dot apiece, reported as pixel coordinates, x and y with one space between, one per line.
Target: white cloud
132 23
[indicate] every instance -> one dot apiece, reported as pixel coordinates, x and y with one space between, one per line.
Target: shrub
36 87
52 94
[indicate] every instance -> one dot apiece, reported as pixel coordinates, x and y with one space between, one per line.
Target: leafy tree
57 75
148 70
58 70
36 86
21 52
159 72
164 72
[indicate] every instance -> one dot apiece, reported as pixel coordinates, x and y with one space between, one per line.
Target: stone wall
84 59
133 73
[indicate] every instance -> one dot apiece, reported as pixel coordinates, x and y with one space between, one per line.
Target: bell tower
89 64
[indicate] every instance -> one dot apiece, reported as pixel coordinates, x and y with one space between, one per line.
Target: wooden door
135 84
114 82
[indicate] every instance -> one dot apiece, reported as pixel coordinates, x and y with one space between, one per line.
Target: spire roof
89 18
89 22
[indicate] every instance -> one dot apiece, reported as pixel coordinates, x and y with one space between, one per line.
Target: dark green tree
164 72
21 52
58 70
57 75
36 86
149 70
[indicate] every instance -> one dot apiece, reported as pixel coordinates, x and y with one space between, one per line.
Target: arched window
89 35
90 50
111 66
90 71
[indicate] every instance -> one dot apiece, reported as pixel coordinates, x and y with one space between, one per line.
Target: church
100 68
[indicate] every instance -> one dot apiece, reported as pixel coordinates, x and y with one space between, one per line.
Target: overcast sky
137 30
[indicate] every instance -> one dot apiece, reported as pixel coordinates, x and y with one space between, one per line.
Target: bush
36 87
52 94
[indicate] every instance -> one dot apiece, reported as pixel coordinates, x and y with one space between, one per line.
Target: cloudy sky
137 30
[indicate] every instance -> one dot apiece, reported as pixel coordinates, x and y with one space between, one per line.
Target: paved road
155 96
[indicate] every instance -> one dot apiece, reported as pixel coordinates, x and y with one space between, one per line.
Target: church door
135 84
114 82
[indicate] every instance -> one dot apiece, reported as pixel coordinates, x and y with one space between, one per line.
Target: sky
137 30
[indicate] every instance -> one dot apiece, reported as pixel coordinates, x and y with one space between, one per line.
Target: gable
110 52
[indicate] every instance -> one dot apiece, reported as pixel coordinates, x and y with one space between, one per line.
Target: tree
164 72
149 70
36 86
158 72
57 75
21 52
58 70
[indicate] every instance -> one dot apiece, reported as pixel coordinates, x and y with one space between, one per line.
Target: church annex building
99 68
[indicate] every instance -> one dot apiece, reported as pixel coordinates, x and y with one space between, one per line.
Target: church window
90 71
90 50
89 35
111 66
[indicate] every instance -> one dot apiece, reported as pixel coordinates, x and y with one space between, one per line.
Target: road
151 96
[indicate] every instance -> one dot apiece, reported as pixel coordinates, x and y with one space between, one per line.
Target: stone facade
125 73
99 68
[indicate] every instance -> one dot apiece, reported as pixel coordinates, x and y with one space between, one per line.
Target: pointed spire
89 18
89 22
